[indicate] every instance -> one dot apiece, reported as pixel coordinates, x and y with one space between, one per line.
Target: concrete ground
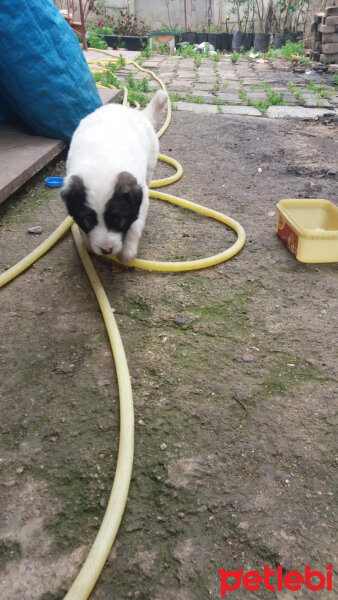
234 374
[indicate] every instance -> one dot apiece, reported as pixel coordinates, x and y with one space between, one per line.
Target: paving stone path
228 87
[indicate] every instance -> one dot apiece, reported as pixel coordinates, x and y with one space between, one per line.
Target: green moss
288 373
15 215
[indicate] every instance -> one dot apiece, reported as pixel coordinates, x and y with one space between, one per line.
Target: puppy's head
105 222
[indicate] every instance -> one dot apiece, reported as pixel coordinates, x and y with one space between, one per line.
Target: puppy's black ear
123 207
128 190
74 196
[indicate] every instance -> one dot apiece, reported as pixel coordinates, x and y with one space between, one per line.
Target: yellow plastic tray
309 228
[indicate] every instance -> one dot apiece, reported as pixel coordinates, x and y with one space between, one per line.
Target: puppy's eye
87 220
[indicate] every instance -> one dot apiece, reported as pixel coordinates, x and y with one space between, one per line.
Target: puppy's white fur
111 140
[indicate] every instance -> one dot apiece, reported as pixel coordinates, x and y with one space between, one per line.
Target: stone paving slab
298 112
213 109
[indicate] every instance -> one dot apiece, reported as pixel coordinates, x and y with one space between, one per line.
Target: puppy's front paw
126 255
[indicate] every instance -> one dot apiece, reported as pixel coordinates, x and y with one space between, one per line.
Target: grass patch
296 92
234 57
174 96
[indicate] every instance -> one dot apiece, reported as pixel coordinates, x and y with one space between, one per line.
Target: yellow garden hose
93 565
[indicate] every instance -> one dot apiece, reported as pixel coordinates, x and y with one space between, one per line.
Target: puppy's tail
155 111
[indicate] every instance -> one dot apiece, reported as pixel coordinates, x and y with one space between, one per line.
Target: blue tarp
44 77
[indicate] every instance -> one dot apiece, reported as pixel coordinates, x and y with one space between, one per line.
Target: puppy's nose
106 250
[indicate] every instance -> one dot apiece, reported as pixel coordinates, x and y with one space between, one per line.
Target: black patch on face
123 207
74 196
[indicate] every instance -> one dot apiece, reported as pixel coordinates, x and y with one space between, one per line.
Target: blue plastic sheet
44 76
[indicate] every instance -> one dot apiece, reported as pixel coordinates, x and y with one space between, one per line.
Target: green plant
261 105
335 78
291 50
321 92
273 97
163 48
187 51
234 57
296 92
95 42
198 100
138 86
219 110
197 60
174 96
174 107
146 52
217 101
188 97
271 53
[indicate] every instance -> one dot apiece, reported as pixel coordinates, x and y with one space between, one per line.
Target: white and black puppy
111 160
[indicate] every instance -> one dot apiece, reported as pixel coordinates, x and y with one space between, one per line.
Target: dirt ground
234 371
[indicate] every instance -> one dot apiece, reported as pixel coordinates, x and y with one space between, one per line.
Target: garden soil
234 372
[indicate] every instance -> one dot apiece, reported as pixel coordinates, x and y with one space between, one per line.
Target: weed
273 97
216 57
243 96
136 89
163 48
174 96
174 107
217 101
198 60
234 57
261 105
335 78
95 42
296 92
138 86
187 51
272 53
188 98
198 100
219 110
321 92
146 52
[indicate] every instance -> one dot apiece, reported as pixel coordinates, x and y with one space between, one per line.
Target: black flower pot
226 41
130 42
215 39
278 40
178 38
294 36
201 37
261 42
189 36
241 41
249 39
238 41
